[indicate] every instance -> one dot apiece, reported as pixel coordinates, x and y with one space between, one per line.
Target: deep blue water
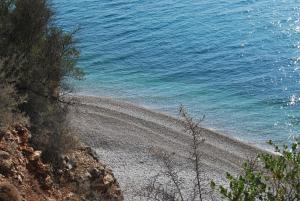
236 61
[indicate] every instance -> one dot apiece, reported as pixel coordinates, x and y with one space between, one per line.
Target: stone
108 179
101 168
70 197
69 163
87 175
48 181
69 166
4 155
92 153
66 159
20 179
36 155
73 163
95 172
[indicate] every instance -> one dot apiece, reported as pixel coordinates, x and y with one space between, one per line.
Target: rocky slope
24 176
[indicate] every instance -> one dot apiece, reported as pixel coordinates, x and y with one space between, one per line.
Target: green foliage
275 178
9 102
38 58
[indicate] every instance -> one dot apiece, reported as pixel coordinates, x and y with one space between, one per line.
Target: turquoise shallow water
236 62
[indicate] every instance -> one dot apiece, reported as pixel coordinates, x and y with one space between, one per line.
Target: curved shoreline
122 133
157 112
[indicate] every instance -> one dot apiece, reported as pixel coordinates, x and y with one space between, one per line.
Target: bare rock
92 153
108 179
36 155
68 163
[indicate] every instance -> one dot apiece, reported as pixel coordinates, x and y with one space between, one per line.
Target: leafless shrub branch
173 189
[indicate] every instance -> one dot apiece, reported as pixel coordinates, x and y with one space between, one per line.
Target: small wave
125 33
294 99
295 121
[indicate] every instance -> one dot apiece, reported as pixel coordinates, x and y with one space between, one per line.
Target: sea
236 62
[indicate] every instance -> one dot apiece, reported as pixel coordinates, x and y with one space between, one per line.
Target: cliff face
80 176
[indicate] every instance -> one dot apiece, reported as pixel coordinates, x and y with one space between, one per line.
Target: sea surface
235 61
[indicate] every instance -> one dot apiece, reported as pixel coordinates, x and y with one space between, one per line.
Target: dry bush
54 135
58 144
170 184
